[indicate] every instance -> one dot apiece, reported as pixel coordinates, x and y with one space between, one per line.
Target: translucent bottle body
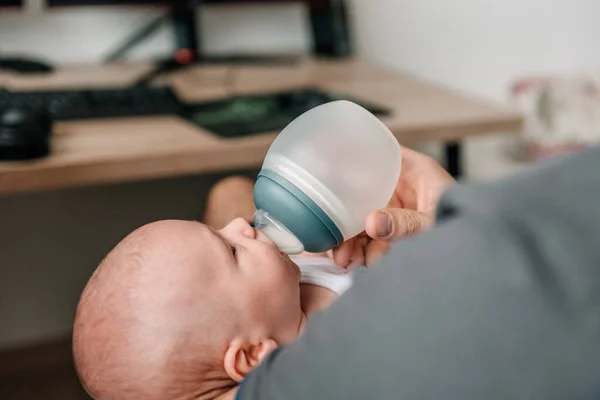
339 163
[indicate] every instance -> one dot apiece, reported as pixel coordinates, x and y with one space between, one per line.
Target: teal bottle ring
297 212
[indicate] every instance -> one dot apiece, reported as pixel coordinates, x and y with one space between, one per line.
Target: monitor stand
185 22
186 26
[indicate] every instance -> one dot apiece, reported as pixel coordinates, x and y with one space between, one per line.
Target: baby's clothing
322 271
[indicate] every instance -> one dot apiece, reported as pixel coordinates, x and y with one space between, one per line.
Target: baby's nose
242 226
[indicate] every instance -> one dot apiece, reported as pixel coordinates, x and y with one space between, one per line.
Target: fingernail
384 225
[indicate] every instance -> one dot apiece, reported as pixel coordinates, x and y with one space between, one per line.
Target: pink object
561 114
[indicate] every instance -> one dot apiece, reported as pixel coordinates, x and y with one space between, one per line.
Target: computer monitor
54 3
182 14
11 3
329 21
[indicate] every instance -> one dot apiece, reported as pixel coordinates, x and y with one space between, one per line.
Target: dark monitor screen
165 2
4 3
313 4
103 2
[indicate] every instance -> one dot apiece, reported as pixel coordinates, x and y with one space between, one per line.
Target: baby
179 310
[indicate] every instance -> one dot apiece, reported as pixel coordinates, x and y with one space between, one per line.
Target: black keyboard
98 103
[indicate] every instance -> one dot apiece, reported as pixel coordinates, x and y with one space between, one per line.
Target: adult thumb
391 223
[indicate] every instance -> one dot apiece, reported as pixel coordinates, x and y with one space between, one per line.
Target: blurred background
146 104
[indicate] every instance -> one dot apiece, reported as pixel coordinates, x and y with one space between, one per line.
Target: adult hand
410 210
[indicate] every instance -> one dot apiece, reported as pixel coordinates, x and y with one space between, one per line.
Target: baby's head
178 310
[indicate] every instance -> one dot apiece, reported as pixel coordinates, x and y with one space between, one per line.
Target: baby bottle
323 175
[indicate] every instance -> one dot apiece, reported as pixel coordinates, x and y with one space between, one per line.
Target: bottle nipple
285 240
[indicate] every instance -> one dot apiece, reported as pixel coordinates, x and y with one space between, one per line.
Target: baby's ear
242 356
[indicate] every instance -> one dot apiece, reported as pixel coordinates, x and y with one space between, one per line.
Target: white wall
480 47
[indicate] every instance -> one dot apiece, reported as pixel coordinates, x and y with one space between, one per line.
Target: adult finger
342 255
360 247
375 250
391 223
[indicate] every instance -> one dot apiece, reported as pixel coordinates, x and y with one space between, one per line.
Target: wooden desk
96 152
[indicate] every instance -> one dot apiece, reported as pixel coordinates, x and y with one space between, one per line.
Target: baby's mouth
261 237
286 258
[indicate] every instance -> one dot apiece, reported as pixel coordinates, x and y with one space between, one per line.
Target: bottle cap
278 233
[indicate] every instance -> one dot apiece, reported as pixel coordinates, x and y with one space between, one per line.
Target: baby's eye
233 250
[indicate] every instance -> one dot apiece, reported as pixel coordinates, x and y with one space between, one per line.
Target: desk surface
119 150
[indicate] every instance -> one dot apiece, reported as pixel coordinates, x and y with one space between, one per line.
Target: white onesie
322 271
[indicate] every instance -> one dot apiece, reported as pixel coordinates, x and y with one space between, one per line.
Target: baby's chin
288 261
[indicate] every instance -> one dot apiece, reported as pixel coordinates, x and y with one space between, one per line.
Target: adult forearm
499 302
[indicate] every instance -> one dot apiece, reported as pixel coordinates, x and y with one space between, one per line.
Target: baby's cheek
294 327
288 315
298 321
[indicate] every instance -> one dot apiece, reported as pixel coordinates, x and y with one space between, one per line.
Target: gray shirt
500 301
